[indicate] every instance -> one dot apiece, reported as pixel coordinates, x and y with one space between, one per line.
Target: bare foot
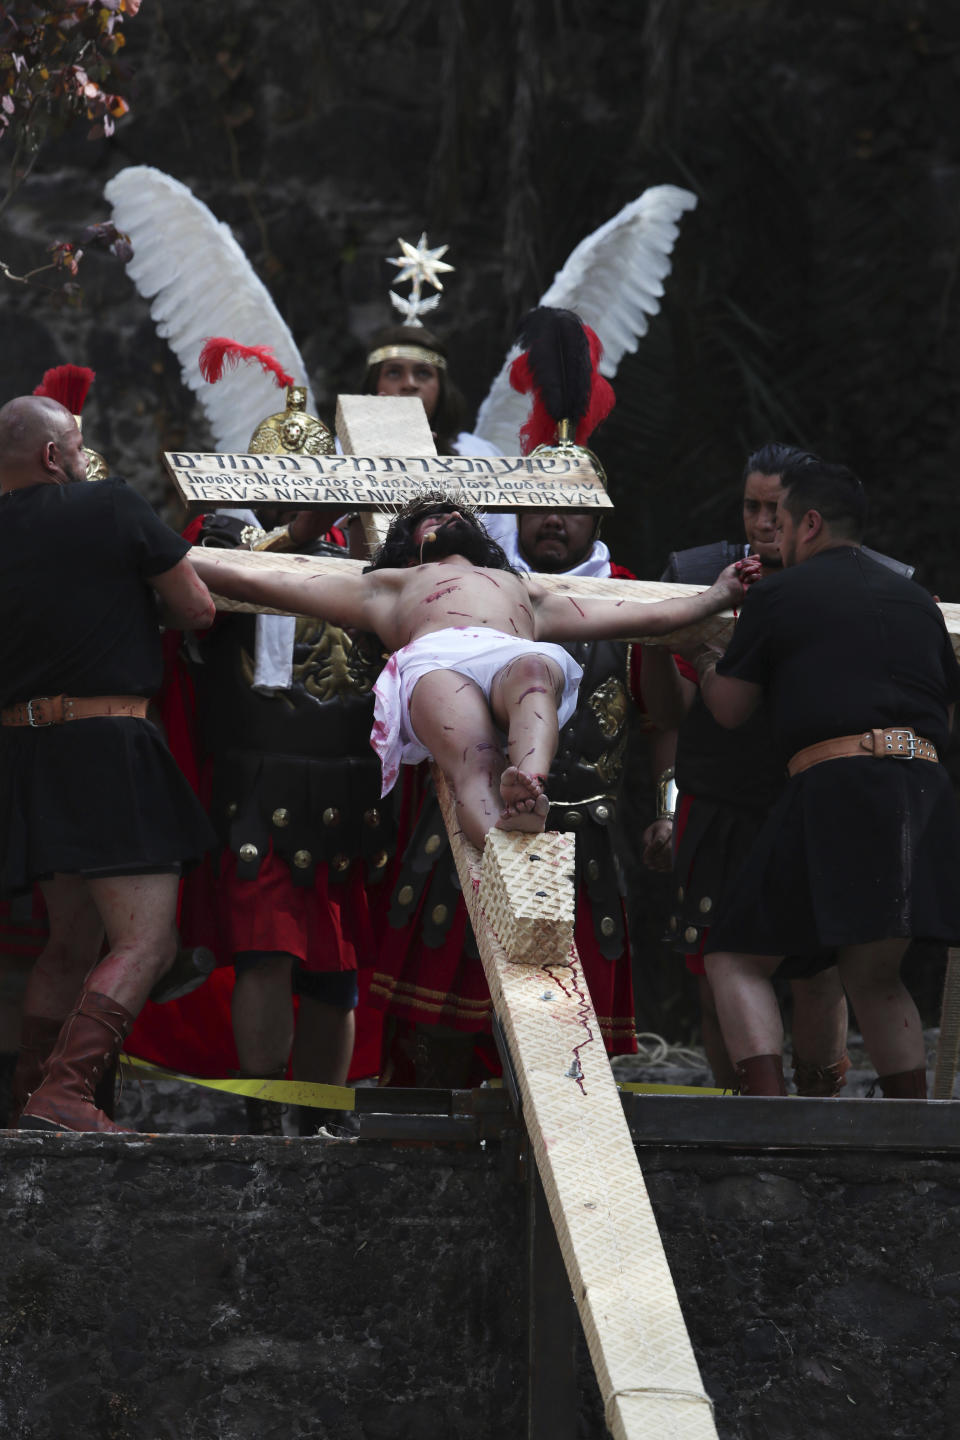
525 805
518 790
532 821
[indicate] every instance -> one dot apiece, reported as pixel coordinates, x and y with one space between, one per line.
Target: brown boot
825 1081
905 1085
761 1075
91 1038
38 1035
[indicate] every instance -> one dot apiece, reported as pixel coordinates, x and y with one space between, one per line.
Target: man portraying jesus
472 654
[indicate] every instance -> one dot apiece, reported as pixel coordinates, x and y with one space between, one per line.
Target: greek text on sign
559 481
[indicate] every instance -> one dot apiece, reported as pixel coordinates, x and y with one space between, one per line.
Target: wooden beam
717 628
621 1283
382 470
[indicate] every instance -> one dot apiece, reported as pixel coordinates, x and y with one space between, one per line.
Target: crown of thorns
426 497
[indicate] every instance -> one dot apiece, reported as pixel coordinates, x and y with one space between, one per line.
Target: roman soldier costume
282 711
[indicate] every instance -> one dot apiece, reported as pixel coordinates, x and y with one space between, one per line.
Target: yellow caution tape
283 1092
343 1097
636 1087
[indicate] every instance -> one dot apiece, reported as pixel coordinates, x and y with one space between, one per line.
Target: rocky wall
813 298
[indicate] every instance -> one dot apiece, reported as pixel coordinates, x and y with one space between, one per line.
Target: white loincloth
478 654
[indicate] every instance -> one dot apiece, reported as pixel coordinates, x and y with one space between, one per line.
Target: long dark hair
450 416
398 549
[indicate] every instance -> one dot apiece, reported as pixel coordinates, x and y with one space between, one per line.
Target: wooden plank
372 482
638 1342
383 425
382 428
716 628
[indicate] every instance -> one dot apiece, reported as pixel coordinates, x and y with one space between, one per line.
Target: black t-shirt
840 643
76 614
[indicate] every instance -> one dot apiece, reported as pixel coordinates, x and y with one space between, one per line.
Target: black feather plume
558 355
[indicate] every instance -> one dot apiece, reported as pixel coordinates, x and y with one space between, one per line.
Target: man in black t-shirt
92 806
727 782
858 676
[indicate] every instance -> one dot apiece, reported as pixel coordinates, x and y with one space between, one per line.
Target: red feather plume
68 384
602 397
559 369
218 353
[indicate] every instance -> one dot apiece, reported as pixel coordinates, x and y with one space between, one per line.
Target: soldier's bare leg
819 1017
719 1061
888 1018
746 1003
819 1033
323 1043
139 914
76 935
451 717
72 947
261 1009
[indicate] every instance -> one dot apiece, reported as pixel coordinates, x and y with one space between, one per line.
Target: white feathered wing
614 281
201 284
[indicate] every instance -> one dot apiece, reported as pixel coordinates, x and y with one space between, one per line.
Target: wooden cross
521 903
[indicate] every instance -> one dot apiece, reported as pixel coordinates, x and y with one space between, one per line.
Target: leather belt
58 709
898 741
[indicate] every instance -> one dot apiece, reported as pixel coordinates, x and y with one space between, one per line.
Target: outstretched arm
561 617
730 701
185 602
346 599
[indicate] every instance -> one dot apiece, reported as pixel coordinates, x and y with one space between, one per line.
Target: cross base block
526 894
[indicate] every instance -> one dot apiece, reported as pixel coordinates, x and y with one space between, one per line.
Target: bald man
92 806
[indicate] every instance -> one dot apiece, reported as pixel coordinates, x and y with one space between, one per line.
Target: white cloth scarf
502 527
274 639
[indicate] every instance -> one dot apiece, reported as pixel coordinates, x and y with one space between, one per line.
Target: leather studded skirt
99 795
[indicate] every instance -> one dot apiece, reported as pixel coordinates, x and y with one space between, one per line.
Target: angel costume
479 655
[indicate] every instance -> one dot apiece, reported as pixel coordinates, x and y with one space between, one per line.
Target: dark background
813 297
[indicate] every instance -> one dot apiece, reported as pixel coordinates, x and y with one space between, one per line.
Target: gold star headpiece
421 266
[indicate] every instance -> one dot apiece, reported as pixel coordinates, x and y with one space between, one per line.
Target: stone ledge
229 1287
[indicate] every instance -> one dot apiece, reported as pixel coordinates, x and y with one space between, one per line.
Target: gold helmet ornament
290 431
69 385
559 367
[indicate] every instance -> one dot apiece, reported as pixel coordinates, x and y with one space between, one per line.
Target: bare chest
439 597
